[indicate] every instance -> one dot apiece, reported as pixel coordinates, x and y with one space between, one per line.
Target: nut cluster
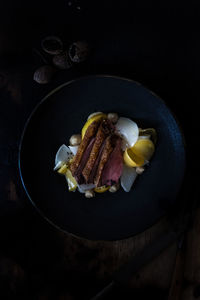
59 57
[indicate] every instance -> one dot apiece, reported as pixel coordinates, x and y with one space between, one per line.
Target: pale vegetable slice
58 165
128 129
63 156
86 187
73 149
128 177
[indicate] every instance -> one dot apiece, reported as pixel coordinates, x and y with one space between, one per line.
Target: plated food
109 153
107 216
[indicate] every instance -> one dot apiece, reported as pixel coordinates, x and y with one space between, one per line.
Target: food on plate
113 117
93 117
110 153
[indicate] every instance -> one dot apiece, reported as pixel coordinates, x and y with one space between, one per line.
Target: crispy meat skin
108 148
90 133
105 129
95 167
78 172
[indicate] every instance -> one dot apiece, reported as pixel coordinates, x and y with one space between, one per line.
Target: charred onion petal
128 177
63 155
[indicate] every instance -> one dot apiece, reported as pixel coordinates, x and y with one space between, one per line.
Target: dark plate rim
46 98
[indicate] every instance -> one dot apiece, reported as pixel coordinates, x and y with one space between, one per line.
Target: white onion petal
128 177
128 129
58 165
63 155
73 149
85 187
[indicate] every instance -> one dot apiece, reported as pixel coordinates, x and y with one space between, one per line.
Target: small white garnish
73 149
75 140
63 156
128 130
140 170
85 187
113 117
89 194
128 177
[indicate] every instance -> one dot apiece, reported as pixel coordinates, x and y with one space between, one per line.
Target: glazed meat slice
114 166
78 173
90 133
94 169
107 150
105 129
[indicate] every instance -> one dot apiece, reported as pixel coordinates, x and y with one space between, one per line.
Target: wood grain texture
177 277
191 290
102 258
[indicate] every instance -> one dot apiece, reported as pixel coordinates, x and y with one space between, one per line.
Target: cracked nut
89 194
114 188
79 51
75 140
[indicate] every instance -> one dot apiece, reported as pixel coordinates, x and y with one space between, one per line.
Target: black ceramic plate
107 216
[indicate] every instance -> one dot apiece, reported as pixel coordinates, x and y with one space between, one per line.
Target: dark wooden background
154 42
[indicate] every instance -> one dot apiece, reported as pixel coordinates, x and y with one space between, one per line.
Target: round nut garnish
52 45
114 188
75 140
113 117
43 74
139 170
89 194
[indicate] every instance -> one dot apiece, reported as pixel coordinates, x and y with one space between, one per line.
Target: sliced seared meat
95 167
78 173
107 150
90 133
105 129
114 166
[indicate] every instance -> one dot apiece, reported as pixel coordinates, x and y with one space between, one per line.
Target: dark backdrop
154 42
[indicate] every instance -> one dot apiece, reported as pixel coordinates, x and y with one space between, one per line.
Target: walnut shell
79 51
43 74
